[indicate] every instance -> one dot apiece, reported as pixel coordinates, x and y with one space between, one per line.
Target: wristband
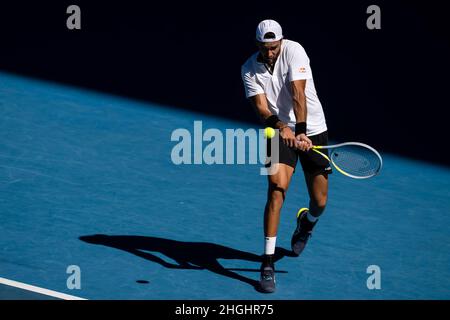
300 128
272 121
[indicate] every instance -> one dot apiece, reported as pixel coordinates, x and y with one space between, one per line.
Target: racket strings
356 160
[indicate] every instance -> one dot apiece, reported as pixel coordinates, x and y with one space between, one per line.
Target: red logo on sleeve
302 70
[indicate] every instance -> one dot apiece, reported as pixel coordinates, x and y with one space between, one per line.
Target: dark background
385 87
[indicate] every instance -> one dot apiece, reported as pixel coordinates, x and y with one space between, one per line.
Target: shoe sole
266 290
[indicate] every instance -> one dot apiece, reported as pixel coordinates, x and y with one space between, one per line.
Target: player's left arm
300 110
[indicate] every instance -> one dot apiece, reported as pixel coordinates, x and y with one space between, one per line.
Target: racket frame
334 146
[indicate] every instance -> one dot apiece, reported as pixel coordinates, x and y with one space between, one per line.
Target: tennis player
279 84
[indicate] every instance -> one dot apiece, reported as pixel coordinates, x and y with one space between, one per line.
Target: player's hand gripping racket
353 159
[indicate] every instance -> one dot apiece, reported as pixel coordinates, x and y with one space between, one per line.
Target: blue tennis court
87 180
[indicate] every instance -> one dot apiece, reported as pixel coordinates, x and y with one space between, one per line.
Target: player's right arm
255 93
259 103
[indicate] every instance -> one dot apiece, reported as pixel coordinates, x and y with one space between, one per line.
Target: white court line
47 292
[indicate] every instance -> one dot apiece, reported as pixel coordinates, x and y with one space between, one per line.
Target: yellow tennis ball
269 133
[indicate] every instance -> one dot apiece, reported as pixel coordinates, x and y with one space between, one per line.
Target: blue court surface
87 180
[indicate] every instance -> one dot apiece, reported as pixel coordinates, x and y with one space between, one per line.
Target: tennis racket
353 159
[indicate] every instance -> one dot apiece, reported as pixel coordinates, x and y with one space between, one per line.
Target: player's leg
307 217
318 194
316 170
277 187
278 184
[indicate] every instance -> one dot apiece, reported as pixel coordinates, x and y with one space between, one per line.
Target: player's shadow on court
187 255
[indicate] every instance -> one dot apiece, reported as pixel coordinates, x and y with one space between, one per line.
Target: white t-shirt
292 64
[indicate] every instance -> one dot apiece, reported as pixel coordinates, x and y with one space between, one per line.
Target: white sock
270 245
311 218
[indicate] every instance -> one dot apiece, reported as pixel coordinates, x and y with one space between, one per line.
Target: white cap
267 26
